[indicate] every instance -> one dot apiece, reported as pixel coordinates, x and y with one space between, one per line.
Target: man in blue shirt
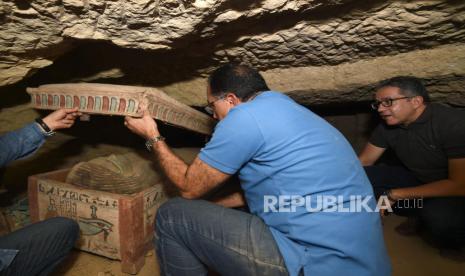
38 248
286 157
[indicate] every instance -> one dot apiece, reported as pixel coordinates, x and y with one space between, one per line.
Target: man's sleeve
453 136
378 137
20 143
236 140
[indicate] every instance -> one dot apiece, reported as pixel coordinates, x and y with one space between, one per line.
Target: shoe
454 254
410 227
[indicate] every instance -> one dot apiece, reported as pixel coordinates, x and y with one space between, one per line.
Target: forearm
231 200
174 167
370 154
365 163
20 143
439 188
365 160
194 180
230 195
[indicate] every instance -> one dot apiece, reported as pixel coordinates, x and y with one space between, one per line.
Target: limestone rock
187 39
442 69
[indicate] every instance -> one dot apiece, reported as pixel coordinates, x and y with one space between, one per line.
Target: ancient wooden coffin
96 98
117 173
112 225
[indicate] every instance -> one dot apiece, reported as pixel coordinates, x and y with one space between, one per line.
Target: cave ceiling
319 52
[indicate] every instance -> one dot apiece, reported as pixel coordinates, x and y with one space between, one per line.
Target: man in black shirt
429 140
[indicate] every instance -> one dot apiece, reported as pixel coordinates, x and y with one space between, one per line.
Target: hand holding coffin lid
146 127
61 118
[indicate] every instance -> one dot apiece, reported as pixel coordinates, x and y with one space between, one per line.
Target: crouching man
280 150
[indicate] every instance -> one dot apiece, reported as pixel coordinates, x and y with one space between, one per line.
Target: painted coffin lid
97 98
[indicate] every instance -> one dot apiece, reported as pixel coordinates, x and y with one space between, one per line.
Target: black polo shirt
425 145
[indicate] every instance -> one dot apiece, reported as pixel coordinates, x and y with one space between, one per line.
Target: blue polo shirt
280 150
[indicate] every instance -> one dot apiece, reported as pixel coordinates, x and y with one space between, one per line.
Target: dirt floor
409 256
85 264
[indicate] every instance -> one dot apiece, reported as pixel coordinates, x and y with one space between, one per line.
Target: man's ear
418 101
233 99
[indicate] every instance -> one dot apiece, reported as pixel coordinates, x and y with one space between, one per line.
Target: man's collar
424 117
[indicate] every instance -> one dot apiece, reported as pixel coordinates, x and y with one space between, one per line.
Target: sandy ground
409 256
81 263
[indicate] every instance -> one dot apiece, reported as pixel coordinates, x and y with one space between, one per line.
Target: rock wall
320 52
182 41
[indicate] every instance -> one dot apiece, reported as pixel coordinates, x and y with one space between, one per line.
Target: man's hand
385 212
61 118
193 181
146 127
391 198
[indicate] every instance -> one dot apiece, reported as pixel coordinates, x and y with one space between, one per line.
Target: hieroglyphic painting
152 200
95 212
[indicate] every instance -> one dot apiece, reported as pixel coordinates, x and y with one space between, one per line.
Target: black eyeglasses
386 102
210 106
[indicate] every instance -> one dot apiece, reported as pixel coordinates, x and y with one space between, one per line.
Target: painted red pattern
172 116
178 117
154 109
164 115
90 103
76 101
38 101
106 103
49 100
122 105
62 101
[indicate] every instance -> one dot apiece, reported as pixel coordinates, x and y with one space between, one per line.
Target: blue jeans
42 246
193 236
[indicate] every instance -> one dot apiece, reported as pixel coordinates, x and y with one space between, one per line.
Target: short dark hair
241 80
409 86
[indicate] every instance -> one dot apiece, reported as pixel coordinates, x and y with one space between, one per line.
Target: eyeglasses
386 102
210 106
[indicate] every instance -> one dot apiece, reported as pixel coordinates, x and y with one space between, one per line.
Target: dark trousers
42 246
442 218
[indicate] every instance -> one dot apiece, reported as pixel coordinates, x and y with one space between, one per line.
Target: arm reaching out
61 118
454 185
193 180
24 142
370 154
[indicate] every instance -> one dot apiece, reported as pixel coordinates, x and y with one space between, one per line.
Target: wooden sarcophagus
115 225
95 98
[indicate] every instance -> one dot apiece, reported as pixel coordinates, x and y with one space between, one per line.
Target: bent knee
179 210
441 226
172 204
170 208
62 225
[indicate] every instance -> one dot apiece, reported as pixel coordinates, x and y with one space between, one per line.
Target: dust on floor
410 256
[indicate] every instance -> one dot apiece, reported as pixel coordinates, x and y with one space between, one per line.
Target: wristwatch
46 130
388 194
149 143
